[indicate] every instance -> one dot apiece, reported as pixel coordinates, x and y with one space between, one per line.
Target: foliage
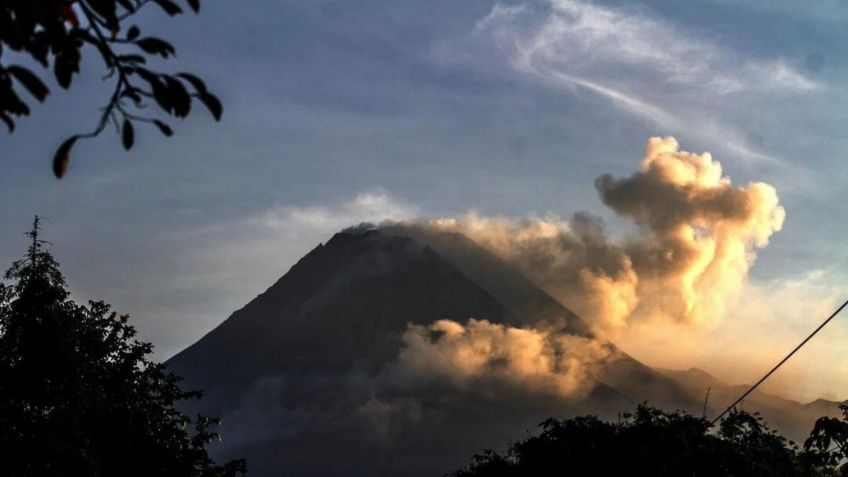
656 443
827 445
56 33
78 395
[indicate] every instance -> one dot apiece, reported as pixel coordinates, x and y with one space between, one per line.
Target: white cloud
575 36
643 64
830 11
372 206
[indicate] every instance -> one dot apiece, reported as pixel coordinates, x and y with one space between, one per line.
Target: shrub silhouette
827 445
78 394
655 443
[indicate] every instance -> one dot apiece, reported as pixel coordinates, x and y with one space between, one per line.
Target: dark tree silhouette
656 443
56 33
78 394
827 445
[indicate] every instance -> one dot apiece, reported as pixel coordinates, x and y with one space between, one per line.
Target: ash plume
696 241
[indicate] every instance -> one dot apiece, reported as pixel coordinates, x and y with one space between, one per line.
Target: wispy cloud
828 11
640 63
572 35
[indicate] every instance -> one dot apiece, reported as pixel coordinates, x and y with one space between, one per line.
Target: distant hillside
792 418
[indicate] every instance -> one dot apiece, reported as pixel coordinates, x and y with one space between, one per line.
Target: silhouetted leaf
40 47
62 73
196 82
13 104
132 59
65 65
133 94
103 48
170 7
133 33
213 104
127 135
128 5
164 128
106 10
63 157
162 97
156 46
7 121
180 100
146 75
31 82
51 33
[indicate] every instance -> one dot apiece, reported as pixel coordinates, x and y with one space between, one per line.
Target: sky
339 112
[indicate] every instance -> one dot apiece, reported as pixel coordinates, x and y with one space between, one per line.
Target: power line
785 359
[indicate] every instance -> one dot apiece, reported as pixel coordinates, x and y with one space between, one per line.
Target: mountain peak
345 303
313 367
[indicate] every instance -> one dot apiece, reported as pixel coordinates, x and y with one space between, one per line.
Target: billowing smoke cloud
478 352
696 242
701 230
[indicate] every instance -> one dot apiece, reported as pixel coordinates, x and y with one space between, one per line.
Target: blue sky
339 111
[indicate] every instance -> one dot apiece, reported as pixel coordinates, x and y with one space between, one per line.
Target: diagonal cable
785 359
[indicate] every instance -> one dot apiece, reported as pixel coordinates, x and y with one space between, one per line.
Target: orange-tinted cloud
480 351
696 242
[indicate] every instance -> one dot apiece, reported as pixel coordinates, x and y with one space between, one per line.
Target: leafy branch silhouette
55 33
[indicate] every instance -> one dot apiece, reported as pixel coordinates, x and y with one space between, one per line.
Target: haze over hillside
405 349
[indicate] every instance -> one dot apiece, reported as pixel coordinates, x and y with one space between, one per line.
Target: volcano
306 375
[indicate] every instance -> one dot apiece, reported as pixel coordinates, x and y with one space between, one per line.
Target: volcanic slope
308 378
